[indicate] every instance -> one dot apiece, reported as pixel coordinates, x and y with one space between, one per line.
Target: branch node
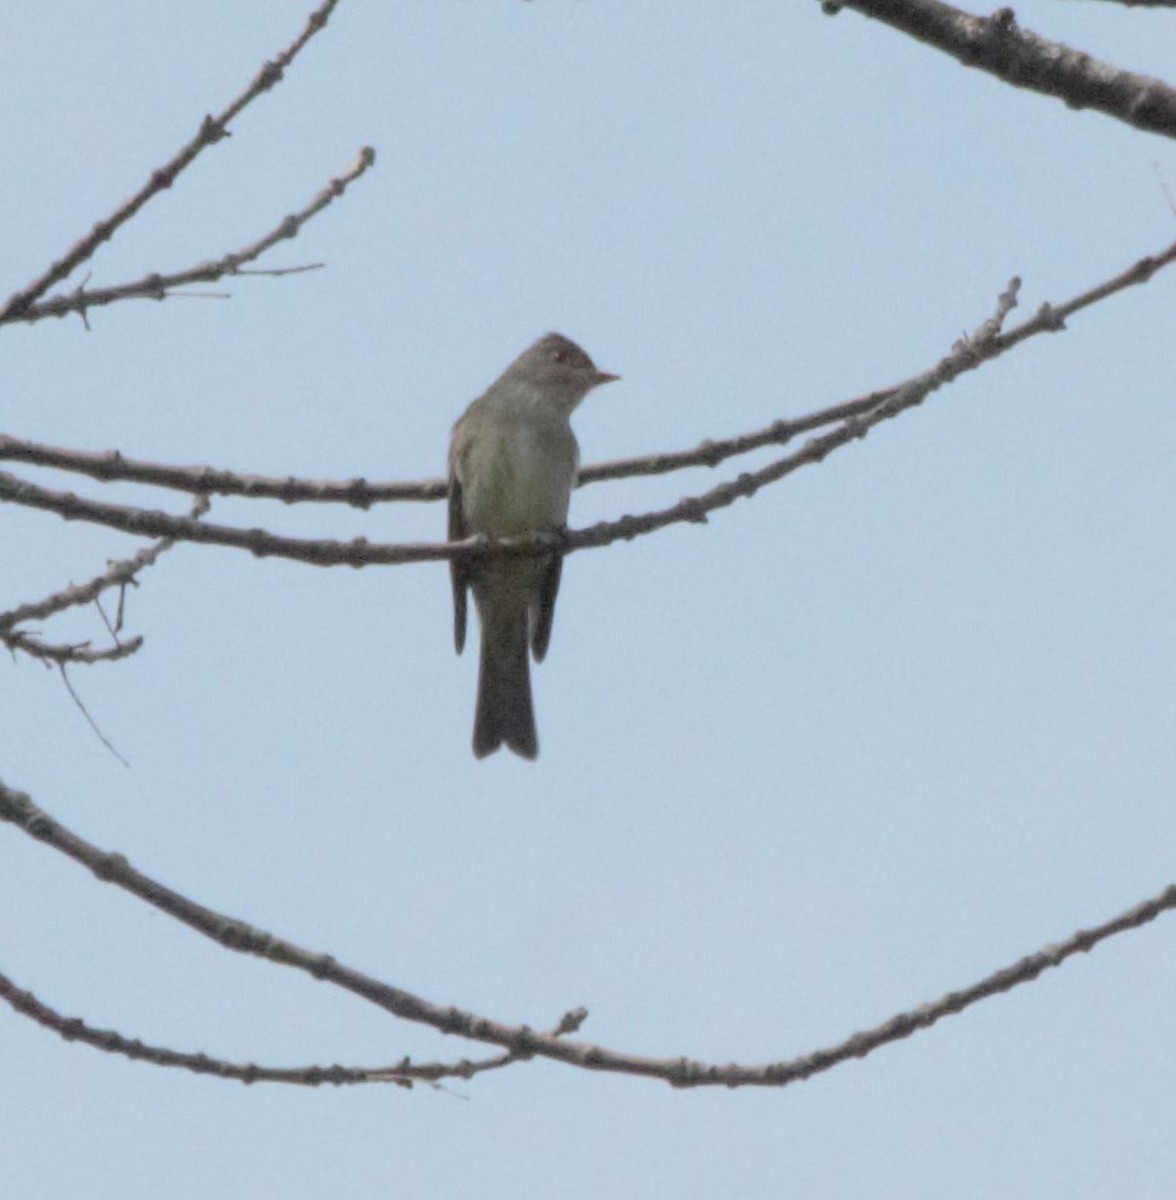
322 965
571 1021
269 74
111 866
523 1045
211 130
1004 20
1049 318
41 826
359 495
685 1073
452 1021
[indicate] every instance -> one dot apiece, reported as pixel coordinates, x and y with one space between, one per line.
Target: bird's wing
459 573
549 573
551 568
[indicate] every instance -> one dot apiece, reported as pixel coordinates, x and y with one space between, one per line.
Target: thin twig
121 574
212 130
160 287
405 1073
19 640
61 666
117 574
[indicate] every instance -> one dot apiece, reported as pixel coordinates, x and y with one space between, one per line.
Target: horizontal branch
143 522
17 640
987 343
212 129
113 466
520 1041
997 45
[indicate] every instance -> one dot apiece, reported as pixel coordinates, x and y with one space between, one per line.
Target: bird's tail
504 712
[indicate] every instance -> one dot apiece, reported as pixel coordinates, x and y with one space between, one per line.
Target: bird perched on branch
513 461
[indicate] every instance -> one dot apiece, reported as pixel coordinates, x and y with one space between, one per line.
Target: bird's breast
518 478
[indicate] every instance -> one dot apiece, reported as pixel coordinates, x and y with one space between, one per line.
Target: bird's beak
603 377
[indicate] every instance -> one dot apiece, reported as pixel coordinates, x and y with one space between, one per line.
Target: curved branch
520 1041
999 46
212 129
405 1072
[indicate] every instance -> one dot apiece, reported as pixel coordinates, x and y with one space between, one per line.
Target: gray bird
513 461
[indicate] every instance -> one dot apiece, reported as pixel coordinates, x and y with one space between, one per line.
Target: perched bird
513 461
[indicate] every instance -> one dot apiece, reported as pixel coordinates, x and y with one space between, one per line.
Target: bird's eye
561 356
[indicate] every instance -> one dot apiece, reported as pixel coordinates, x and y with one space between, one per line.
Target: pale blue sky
862 740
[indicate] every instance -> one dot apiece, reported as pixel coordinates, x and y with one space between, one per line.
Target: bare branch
360 493
120 574
69 687
112 465
212 129
520 1041
117 574
404 1073
999 46
159 287
59 655
984 346
147 523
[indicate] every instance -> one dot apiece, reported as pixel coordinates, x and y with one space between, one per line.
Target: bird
513 462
